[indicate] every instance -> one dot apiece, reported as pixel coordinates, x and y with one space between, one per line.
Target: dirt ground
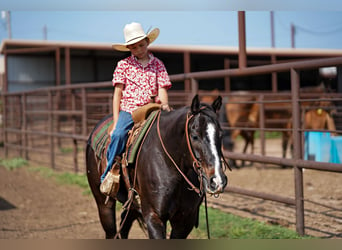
34 207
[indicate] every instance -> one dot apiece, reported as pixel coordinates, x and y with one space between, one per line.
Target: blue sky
183 23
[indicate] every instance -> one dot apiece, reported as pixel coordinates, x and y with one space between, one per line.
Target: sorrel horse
180 159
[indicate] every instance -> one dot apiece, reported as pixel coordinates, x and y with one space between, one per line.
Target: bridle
196 164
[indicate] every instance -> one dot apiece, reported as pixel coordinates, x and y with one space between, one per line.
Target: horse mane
205 109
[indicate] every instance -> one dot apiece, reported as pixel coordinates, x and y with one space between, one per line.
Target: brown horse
180 159
277 115
243 111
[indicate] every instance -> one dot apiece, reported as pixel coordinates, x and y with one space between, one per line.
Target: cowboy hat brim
152 36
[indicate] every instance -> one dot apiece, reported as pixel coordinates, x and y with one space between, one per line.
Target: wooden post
24 126
242 40
274 75
227 82
4 122
18 110
262 124
50 122
296 136
67 66
84 112
58 67
74 131
194 88
187 69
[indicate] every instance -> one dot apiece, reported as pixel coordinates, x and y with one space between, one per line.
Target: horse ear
195 105
217 104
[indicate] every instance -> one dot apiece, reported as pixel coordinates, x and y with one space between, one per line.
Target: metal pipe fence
54 123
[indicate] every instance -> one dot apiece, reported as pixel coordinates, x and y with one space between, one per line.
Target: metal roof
306 52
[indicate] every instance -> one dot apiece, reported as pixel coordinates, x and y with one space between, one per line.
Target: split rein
196 164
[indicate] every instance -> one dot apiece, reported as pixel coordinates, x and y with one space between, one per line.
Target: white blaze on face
211 131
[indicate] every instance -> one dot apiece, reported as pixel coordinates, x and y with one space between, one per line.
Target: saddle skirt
100 138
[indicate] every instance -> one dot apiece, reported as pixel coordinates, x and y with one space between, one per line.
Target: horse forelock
210 113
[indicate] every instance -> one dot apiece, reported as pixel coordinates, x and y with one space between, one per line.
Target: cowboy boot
111 183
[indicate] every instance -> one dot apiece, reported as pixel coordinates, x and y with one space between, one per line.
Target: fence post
19 122
50 122
194 89
262 123
84 112
296 136
24 125
74 132
5 122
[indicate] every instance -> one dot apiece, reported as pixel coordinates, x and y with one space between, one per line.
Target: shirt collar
135 60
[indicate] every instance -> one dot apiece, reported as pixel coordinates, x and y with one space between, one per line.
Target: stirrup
111 183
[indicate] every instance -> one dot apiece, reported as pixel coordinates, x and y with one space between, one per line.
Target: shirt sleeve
163 78
119 75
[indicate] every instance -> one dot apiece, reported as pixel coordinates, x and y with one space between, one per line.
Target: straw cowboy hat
134 33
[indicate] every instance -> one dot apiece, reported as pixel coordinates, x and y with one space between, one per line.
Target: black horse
179 161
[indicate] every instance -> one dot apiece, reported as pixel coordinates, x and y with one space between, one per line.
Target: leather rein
196 165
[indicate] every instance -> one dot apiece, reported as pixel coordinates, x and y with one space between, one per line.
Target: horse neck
172 126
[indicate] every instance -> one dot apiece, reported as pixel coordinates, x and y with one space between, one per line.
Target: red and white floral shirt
139 82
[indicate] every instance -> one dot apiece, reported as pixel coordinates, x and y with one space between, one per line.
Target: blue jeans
118 139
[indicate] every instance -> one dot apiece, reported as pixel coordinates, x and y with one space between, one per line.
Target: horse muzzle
216 185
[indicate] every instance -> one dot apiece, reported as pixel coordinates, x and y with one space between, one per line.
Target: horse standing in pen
179 160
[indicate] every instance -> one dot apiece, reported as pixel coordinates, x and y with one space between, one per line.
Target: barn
34 64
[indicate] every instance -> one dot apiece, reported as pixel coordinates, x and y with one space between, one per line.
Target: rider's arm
163 97
116 104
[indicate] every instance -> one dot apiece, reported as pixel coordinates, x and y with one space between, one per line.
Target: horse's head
205 137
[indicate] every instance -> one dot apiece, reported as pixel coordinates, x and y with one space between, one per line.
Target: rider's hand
166 107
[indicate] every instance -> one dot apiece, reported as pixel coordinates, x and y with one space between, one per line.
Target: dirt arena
34 207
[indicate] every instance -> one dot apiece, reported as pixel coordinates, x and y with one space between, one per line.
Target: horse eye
194 137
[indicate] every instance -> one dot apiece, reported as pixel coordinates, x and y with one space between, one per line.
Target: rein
196 165
199 191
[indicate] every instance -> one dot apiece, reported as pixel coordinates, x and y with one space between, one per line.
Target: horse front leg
181 228
127 219
285 143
